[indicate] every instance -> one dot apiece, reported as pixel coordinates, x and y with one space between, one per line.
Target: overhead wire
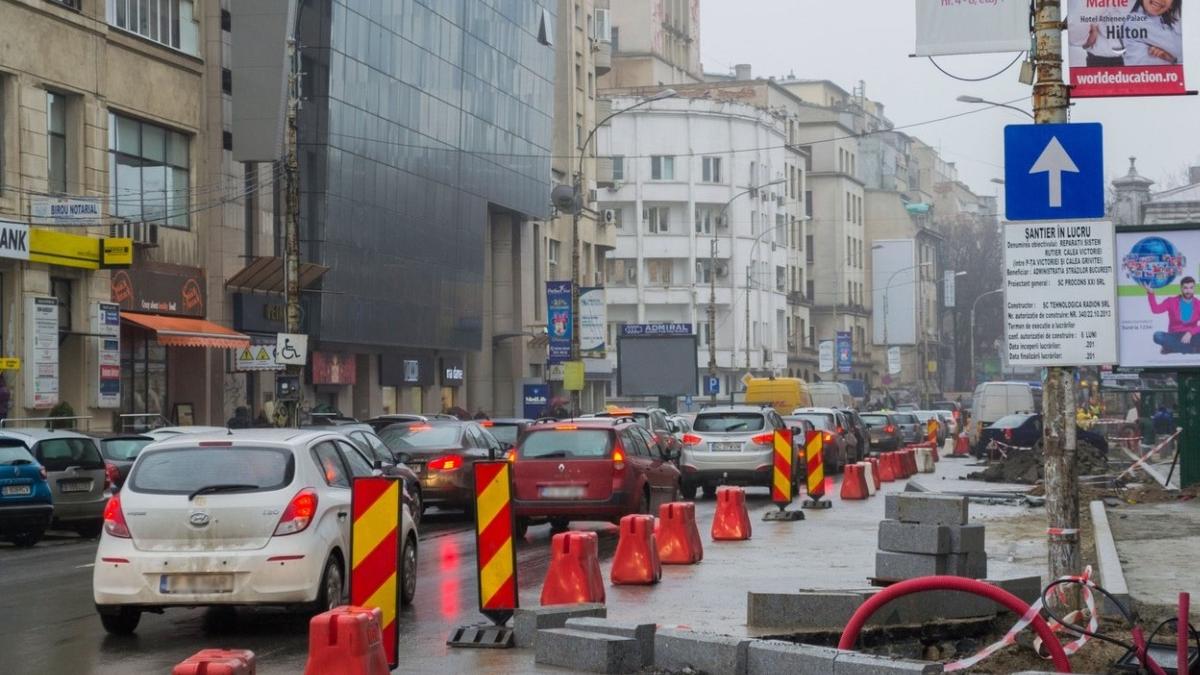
977 79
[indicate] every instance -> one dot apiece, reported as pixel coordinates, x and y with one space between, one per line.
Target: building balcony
602 58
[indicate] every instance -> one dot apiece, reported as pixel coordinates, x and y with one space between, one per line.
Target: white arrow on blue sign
1054 171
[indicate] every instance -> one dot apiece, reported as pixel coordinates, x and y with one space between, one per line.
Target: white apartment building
679 247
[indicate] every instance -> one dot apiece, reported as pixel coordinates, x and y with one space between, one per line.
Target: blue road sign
1053 171
712 385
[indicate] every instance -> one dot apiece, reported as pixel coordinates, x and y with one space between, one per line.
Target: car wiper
222 487
19 462
559 453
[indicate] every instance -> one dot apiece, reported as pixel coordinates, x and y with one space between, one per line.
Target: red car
590 469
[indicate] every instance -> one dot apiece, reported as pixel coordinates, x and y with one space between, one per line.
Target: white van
993 400
830 395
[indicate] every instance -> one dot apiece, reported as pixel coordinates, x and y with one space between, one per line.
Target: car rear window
818 420
875 420
505 433
729 422
552 443
57 454
185 470
905 418
944 405
14 454
125 449
1010 421
420 436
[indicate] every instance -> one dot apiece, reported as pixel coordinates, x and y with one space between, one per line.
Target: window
56 138
707 219
591 85
849 252
578 130
148 172
168 22
622 272
60 288
657 219
331 465
780 279
226 81
808 203
73 4
712 169
618 167
703 271
603 25
662 167
809 253
614 35
658 271
706 334
552 250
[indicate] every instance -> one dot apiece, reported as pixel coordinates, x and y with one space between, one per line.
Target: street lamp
973 306
975 99
577 212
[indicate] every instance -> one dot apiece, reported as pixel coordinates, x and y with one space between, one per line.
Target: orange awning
174 331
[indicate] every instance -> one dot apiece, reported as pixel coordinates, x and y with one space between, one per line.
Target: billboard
661 365
593 323
558 320
1159 313
334 368
844 347
894 292
972 27
1125 47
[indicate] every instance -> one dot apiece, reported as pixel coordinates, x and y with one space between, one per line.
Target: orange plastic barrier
574 576
636 560
875 470
887 467
217 662
732 520
854 483
678 537
346 641
868 477
963 446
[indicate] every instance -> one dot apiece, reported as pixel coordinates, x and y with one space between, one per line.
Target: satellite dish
564 198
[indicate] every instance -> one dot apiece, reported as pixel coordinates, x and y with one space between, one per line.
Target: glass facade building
421 119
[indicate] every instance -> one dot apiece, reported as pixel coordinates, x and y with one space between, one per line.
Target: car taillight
511 455
111 475
618 458
692 439
448 463
298 514
957 414
764 439
114 518
827 437
1008 434
841 430
890 429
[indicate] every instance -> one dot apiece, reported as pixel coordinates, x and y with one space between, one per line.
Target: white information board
41 352
1060 294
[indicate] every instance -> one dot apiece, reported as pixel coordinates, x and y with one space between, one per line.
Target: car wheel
408 571
418 507
121 622
559 525
26 539
90 530
689 491
710 491
644 506
333 585
522 528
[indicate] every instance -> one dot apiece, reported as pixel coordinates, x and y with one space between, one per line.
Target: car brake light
828 437
841 430
448 463
420 427
298 514
487 423
764 439
111 475
566 427
216 444
890 429
1008 434
692 439
114 518
957 414
618 458
511 456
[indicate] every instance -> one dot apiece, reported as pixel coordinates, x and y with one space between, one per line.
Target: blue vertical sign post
844 347
536 398
558 320
1053 171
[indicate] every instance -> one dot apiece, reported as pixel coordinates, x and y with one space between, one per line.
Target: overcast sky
870 40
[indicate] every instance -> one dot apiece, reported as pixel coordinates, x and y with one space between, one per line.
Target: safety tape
1153 450
1062 531
1010 637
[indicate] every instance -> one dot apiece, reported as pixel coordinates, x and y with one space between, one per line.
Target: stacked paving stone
927 534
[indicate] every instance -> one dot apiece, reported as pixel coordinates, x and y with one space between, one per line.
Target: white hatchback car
242 518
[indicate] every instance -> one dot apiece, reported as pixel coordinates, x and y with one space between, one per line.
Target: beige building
654 42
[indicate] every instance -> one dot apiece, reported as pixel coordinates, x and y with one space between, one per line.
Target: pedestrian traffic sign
712 385
1054 171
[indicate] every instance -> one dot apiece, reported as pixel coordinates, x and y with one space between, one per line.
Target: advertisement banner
844 347
334 368
106 326
161 288
1156 302
893 360
41 352
1125 47
593 323
825 356
961 27
558 320
534 399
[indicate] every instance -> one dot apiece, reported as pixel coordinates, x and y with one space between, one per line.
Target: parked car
26 505
830 395
861 435
655 420
956 412
784 394
384 421
191 430
507 430
78 477
924 416
443 454
590 469
910 427
884 434
258 518
119 451
1024 430
993 400
730 445
376 453
838 447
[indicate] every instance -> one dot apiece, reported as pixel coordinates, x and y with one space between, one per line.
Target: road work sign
1053 171
1060 294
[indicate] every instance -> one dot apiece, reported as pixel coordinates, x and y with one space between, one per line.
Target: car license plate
75 486
563 492
726 447
16 490
417 467
196 583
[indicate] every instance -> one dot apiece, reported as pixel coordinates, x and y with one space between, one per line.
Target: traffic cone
217 662
574 576
731 521
887 467
854 483
636 560
346 640
962 445
875 468
924 459
868 477
678 537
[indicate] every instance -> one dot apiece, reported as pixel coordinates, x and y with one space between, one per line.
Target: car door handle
341 515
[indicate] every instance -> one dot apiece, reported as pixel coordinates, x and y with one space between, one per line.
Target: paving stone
588 652
919 608
801 610
931 509
768 657
676 649
857 663
970 565
1028 589
890 565
642 632
913 538
527 622
891 507
967 539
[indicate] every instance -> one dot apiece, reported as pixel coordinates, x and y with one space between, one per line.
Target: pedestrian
480 415
241 419
1149 438
261 422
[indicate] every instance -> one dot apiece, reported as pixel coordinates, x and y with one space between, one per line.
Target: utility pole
291 246
1051 97
712 304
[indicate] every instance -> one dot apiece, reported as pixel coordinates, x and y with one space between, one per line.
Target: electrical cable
1046 606
976 79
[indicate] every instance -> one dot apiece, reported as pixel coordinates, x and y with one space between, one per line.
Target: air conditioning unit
615 185
142 234
593 197
610 216
722 270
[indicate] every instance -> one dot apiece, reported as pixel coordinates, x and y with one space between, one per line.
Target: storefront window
143 373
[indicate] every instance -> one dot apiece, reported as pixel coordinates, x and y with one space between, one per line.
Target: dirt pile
1026 466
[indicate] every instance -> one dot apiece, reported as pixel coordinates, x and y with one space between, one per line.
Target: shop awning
176 331
266 274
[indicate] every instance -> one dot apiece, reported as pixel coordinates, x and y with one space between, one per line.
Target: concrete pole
291 247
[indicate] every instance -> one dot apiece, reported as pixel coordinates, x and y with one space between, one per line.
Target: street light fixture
577 211
976 100
973 306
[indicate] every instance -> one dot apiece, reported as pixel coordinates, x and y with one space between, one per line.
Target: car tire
418 508
522 528
710 491
408 571
123 621
90 530
644 505
559 525
689 491
332 587
26 539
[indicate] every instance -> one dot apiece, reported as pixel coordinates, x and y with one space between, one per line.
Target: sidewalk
1159 546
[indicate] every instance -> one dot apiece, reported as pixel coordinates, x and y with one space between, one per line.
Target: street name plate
1060 294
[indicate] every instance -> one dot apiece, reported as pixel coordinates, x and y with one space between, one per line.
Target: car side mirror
377 465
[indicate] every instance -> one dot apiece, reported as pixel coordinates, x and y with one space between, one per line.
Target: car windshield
124 449
421 436
186 470
1010 421
924 416
729 421
58 454
11 455
818 420
579 443
905 418
875 420
944 405
505 433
